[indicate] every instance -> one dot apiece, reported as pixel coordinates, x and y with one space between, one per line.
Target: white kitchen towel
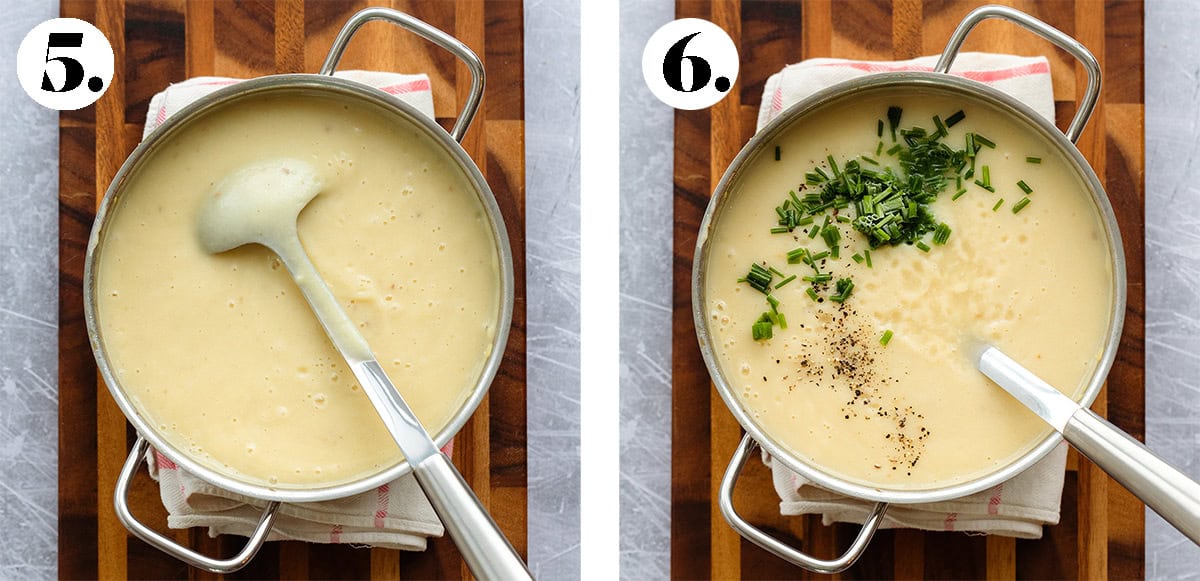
1020 506
396 515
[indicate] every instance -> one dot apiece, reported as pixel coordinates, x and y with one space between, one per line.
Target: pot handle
777 547
170 547
428 32
1045 31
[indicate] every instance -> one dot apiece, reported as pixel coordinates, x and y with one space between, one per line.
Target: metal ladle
1171 494
259 204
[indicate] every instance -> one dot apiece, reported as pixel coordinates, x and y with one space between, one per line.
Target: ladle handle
1054 35
484 548
170 547
1171 494
777 547
428 32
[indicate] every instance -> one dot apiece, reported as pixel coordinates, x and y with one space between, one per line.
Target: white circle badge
65 64
690 63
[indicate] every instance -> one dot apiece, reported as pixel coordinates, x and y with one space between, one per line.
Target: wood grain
1101 529
165 41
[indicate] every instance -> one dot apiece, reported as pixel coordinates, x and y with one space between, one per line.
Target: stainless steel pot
939 80
323 84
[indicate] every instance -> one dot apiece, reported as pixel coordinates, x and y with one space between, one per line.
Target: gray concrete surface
552 284
28 313
1172 54
647 141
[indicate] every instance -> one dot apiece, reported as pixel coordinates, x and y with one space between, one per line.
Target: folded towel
395 515
1020 506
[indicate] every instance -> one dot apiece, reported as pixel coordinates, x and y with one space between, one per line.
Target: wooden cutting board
1102 527
158 42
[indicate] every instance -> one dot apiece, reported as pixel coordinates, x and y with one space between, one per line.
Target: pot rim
852 89
354 93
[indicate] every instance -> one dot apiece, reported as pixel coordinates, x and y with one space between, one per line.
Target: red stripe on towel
164 463
335 534
994 501
949 523
381 504
406 87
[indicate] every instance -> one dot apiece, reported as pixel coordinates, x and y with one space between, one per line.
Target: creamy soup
221 352
914 414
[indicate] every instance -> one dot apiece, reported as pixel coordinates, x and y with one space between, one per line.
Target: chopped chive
811 292
1020 205
833 166
843 219
819 256
818 278
797 255
941 234
893 115
759 278
785 281
984 141
772 270
941 127
1024 187
805 221
816 229
958 194
894 149
776 153
987 176
780 230
1032 159
879 128
832 236
782 320
869 160
844 287
999 203
867 257
922 246
953 120
878 149
886 338
774 302
762 330
858 258
985 186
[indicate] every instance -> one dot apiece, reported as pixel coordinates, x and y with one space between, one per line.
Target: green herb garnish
1024 187
1032 159
762 330
886 338
953 120
1020 205
999 203
785 281
844 286
893 115
759 278
941 234
776 153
